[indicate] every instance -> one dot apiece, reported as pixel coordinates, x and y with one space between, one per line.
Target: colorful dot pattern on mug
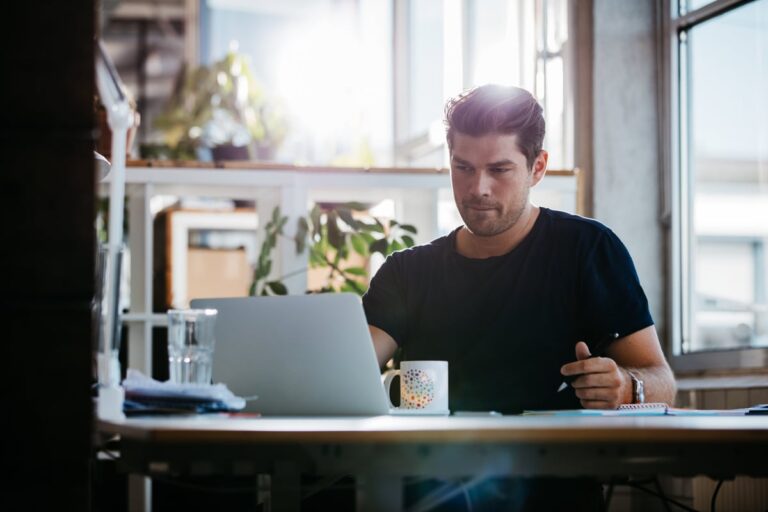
419 389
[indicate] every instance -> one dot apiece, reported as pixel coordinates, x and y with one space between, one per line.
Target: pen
598 350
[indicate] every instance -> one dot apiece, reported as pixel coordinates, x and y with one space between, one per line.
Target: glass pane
426 66
555 140
728 154
322 69
687 6
494 45
523 44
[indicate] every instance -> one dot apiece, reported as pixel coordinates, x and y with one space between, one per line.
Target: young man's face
491 181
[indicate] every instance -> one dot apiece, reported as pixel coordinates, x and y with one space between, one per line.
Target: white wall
626 153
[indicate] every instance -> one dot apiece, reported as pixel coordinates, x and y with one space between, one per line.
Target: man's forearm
658 382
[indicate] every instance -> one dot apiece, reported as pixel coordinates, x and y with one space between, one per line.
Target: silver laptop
300 354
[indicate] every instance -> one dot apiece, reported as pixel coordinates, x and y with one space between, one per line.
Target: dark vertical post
580 19
47 210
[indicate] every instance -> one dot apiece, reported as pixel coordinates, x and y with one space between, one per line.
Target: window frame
676 200
459 16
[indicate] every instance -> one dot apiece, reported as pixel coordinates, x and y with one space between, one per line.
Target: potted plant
337 242
222 108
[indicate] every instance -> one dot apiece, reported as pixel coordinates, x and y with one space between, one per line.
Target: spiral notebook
649 409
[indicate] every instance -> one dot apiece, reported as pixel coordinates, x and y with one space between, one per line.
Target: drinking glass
190 345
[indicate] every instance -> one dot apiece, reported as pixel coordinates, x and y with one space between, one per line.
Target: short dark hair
497 109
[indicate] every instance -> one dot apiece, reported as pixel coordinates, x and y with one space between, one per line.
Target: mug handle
388 376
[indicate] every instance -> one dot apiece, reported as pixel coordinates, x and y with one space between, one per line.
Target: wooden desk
382 449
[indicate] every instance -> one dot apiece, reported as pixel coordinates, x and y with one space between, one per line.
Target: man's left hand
602 384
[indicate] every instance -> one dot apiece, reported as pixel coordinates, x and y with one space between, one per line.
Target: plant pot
265 152
230 152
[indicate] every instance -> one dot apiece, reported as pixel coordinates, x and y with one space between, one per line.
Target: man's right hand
600 383
383 344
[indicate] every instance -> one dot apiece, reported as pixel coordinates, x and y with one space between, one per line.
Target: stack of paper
144 395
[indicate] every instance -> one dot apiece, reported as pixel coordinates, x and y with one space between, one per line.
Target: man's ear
539 168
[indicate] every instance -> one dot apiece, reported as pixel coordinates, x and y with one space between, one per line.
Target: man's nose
481 184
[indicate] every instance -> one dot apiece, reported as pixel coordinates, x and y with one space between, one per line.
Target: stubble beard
488 228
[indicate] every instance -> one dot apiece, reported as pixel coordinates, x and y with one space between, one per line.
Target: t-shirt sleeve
384 302
611 297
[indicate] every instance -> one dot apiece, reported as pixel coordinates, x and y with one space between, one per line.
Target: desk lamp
120 118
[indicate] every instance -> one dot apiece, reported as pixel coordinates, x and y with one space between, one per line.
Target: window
325 64
453 45
686 6
354 97
721 208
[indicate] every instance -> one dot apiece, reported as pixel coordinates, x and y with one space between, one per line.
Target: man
518 297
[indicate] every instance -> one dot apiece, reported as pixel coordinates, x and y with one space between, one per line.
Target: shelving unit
416 194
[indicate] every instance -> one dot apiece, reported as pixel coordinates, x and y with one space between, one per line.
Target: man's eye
499 169
462 168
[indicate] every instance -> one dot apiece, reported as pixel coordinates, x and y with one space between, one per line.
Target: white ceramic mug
423 386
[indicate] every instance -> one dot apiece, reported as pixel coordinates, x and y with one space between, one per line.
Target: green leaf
261 270
277 288
379 246
359 244
346 215
356 206
275 214
356 271
408 227
314 217
408 241
377 227
322 243
335 236
369 238
394 245
315 258
351 285
364 227
302 229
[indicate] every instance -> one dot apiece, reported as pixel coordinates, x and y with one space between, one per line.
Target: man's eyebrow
503 163
460 161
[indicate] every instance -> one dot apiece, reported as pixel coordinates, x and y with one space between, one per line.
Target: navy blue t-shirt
506 324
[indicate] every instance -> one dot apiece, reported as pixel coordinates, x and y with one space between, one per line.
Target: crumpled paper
145 393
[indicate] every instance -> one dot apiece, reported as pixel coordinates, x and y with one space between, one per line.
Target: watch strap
638 388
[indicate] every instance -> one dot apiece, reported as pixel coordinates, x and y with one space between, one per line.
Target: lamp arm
120 117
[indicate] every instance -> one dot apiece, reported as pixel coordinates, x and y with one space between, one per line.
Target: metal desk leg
139 493
286 488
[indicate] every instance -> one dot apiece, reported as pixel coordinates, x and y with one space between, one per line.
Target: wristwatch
638 389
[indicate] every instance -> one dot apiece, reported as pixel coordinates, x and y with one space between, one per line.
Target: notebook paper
649 409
